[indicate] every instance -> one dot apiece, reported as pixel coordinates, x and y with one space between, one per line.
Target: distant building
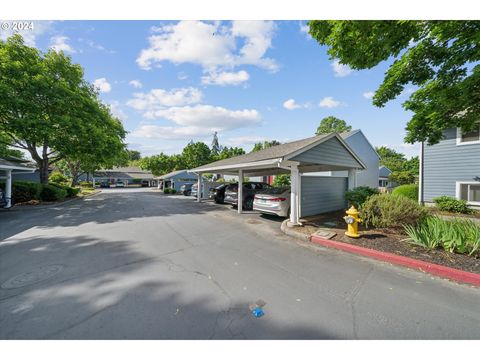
384 183
175 179
131 175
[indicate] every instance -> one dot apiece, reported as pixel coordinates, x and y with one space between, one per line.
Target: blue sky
171 82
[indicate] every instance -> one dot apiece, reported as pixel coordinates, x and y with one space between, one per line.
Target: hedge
450 204
23 191
359 195
409 190
51 192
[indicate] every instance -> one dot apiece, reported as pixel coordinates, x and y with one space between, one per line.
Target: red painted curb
439 270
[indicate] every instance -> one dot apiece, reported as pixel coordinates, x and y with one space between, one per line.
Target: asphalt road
135 264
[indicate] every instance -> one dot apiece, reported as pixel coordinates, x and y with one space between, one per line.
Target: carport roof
277 152
15 165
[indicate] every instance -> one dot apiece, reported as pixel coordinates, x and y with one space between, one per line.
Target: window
468 137
469 192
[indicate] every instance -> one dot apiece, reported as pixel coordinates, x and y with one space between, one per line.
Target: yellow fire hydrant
352 221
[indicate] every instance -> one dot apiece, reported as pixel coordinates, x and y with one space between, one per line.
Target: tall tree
134 155
332 124
228 152
216 148
403 170
6 149
158 164
439 57
48 109
196 154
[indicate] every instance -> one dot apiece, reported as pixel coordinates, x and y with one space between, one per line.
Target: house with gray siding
175 179
452 167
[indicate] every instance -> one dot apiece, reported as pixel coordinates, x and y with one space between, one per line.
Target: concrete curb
434 269
290 232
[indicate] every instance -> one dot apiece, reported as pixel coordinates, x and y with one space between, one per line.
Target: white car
273 201
120 184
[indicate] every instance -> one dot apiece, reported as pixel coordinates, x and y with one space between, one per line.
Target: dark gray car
250 188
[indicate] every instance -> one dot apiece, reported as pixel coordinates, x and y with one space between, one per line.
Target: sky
171 82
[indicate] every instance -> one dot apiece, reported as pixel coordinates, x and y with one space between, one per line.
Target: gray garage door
322 194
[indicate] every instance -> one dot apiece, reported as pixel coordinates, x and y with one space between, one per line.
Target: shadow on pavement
107 290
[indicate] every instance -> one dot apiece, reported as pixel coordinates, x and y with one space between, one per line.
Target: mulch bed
392 242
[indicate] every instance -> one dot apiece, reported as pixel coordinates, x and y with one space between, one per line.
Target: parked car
217 194
186 189
120 184
250 188
193 192
273 201
104 184
145 183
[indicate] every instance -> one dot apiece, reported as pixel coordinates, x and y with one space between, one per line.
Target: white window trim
459 139
457 190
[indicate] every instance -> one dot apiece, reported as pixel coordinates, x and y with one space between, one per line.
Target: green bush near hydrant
359 195
409 190
391 211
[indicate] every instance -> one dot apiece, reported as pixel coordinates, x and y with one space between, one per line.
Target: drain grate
32 277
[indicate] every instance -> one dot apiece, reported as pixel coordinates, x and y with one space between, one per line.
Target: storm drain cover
32 277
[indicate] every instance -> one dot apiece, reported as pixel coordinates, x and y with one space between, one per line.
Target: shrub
173 191
450 204
386 210
70 191
51 192
359 195
281 180
57 177
461 236
166 191
86 184
410 191
23 191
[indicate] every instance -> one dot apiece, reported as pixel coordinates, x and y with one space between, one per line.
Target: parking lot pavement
136 264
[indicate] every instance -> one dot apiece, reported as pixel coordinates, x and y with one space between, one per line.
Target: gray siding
360 145
34 176
446 162
322 194
330 152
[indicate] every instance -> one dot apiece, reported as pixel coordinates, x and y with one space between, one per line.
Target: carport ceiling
327 152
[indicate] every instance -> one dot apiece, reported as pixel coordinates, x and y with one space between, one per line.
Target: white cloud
368 94
117 111
96 46
136 84
29 35
340 69
291 104
157 99
215 118
102 85
182 75
329 102
225 78
59 43
211 45
304 29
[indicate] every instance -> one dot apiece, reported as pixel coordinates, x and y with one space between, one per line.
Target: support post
352 179
294 195
8 188
93 182
199 188
421 199
240 192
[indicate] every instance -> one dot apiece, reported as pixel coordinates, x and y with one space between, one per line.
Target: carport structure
6 169
327 152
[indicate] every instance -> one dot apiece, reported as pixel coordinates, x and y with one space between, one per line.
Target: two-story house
452 167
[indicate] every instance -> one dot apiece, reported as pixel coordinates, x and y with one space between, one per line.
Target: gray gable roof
125 172
383 171
16 165
274 152
176 172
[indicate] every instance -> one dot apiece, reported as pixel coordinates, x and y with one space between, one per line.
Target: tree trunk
43 168
74 168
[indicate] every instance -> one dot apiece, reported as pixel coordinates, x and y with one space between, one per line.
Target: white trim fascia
457 190
459 139
9 167
250 165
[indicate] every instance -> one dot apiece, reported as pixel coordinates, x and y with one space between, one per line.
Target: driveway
135 264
